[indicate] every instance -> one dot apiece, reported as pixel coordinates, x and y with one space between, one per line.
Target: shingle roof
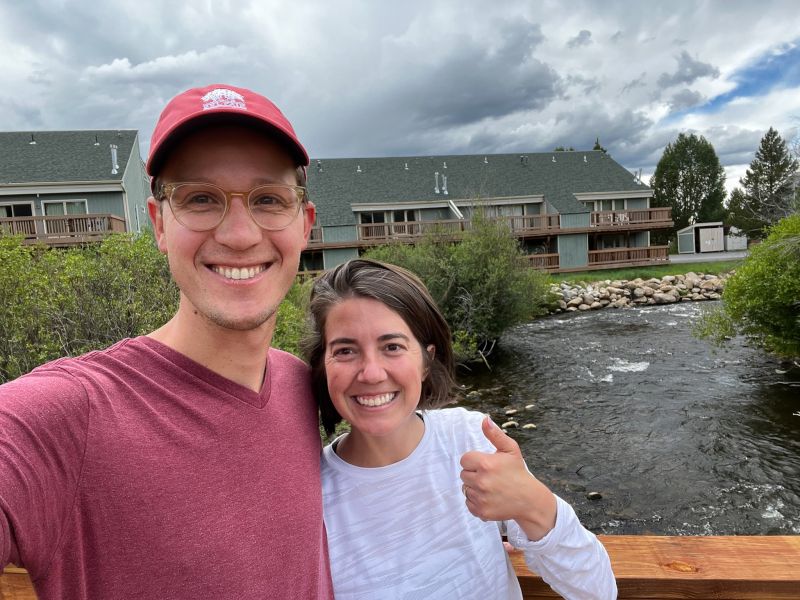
337 184
63 155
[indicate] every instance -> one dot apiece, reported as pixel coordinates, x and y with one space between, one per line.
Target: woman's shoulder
458 425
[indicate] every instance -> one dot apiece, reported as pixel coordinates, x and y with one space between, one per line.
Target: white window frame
31 203
63 201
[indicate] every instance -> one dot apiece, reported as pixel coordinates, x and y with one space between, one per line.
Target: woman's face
374 367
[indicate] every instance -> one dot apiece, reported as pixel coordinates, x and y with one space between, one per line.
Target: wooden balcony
545 262
646 218
64 230
521 225
645 255
315 239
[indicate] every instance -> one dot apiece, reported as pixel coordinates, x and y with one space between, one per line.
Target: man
185 463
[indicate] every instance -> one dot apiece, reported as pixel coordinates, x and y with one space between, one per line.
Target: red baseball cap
218 103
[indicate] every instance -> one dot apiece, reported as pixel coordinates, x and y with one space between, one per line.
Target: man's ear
155 210
309 215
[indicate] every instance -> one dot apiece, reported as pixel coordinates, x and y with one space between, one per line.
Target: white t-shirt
404 531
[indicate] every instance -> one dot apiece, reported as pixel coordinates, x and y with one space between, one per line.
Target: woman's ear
431 350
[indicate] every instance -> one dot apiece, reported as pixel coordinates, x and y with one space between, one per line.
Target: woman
415 499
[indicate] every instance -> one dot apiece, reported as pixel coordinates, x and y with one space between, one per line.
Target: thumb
498 437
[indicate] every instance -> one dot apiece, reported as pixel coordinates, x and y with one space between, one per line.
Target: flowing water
678 437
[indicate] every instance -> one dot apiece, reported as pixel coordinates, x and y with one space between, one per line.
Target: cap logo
222 97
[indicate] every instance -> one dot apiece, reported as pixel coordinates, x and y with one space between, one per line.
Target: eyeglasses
203 206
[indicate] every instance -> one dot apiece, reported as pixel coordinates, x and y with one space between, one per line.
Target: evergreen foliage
769 187
762 299
690 179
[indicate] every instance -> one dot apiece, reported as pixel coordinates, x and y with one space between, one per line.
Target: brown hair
399 290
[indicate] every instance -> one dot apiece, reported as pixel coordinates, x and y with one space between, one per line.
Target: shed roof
63 156
335 184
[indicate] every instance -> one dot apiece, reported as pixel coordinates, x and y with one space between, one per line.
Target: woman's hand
498 486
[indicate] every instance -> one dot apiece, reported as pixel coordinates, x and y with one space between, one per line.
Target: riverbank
624 293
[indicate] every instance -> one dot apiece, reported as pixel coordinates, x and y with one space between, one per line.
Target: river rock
576 301
594 496
584 307
595 305
660 298
511 411
529 426
510 425
638 292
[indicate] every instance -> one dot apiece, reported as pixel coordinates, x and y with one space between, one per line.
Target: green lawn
658 271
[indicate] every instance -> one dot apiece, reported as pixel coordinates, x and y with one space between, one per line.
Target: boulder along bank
691 287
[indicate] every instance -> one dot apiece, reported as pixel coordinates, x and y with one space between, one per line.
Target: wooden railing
62 230
625 218
547 262
316 236
644 254
652 567
519 224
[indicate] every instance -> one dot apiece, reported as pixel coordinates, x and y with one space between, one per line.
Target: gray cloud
689 70
634 83
685 98
584 38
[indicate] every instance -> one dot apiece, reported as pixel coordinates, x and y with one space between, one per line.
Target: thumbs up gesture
498 486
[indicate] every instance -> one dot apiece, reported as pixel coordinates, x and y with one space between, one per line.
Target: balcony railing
62 230
316 236
645 254
519 224
625 218
546 262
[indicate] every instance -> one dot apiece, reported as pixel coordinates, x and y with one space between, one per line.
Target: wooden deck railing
644 254
625 218
547 262
519 224
316 236
62 230
646 567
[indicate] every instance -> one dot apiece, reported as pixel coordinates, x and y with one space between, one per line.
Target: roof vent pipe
444 184
444 165
436 188
584 159
554 158
485 160
406 167
358 168
114 164
96 141
33 141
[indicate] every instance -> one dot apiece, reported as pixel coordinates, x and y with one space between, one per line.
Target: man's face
236 159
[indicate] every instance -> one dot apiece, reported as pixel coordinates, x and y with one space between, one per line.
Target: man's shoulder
285 361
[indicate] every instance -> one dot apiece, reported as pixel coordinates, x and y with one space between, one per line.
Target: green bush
65 302
481 282
762 299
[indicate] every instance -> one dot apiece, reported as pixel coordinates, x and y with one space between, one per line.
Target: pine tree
690 179
770 185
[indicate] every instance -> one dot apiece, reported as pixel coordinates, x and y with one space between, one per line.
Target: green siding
137 189
686 242
573 250
575 220
340 233
96 202
333 258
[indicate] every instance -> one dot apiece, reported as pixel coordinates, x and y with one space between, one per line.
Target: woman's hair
399 290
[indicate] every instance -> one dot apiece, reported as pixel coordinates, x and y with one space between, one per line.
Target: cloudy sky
382 78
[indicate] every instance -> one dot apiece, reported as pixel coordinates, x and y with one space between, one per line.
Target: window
400 216
368 218
16 210
53 208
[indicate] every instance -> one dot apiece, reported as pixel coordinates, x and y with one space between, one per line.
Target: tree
690 179
770 187
762 299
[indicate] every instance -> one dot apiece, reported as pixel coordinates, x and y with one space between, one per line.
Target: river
678 437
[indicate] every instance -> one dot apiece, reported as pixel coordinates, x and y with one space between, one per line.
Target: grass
658 271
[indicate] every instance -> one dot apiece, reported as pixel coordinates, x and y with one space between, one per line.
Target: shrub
762 299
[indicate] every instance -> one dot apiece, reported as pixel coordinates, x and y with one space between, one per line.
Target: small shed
735 239
701 237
